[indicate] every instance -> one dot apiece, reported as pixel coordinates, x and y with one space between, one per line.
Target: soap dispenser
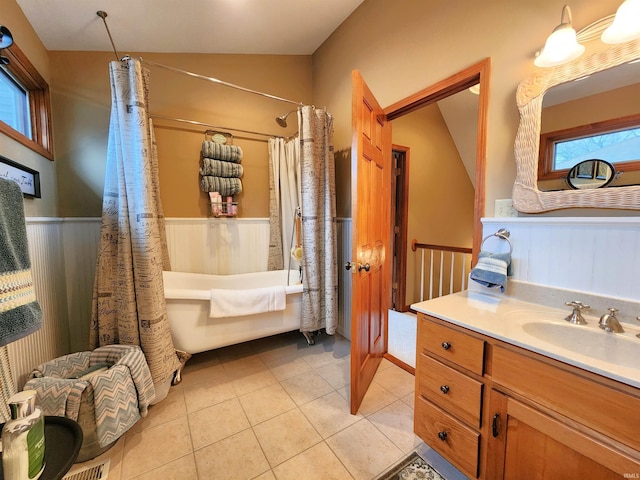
23 438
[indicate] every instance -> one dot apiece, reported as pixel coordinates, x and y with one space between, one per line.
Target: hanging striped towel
228 153
224 186
20 313
219 168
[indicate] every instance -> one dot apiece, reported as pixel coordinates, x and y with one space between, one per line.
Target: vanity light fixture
626 24
562 45
6 40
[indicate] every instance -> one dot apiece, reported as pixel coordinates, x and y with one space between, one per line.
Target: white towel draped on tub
236 303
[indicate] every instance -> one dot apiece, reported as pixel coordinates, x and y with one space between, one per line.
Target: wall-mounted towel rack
502 234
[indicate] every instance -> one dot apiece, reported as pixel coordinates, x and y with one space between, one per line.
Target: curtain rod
194 122
221 82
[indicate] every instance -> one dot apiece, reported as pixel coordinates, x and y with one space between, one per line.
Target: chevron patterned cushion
120 394
58 396
116 403
67 366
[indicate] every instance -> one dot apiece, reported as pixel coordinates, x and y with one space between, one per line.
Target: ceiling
282 27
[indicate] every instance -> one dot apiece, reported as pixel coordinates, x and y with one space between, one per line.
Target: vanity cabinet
509 413
449 391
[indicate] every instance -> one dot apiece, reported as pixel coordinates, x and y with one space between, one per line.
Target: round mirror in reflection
592 173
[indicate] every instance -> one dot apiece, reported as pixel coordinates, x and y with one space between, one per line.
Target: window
25 107
617 141
14 104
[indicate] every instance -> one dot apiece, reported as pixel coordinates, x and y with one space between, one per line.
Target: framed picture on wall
28 179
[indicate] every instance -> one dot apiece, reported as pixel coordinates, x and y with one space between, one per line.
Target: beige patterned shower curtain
128 300
284 199
319 241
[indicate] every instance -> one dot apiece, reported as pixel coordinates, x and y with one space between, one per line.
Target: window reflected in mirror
595 117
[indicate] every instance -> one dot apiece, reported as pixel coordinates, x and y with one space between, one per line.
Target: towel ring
503 234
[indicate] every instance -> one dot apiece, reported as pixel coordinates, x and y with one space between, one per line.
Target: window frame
549 139
39 104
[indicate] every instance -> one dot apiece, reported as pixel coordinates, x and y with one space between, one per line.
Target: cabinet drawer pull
442 436
494 425
444 389
446 345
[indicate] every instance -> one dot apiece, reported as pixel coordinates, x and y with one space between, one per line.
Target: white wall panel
598 255
219 246
344 277
81 239
47 268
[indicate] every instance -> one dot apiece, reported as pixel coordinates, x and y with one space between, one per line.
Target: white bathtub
187 296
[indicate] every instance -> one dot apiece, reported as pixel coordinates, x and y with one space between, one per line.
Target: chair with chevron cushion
106 391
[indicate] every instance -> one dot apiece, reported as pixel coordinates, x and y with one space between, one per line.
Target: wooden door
371 254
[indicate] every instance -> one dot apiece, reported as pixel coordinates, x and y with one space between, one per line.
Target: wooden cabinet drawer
453 345
446 435
575 396
451 390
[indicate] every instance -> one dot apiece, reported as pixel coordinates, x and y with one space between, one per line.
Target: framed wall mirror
613 68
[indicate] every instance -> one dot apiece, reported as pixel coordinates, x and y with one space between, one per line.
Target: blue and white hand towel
492 269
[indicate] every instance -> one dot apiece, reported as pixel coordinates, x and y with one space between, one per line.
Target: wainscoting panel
48 271
219 246
344 277
81 240
588 254
63 257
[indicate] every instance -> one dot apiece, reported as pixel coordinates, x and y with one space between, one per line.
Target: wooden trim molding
39 102
476 73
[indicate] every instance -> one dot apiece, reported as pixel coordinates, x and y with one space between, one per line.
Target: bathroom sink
589 341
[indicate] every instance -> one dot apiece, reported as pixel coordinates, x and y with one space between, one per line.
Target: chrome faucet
576 317
609 322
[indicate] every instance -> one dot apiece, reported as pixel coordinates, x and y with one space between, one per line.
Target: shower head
282 119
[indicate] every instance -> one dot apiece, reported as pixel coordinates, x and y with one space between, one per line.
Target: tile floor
274 408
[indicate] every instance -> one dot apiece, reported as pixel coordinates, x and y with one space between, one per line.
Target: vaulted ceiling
284 27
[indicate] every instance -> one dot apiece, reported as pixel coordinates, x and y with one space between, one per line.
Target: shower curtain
128 300
319 244
284 193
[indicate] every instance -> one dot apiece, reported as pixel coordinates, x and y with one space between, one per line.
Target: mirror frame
527 198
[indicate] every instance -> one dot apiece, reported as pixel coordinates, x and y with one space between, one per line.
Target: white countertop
543 330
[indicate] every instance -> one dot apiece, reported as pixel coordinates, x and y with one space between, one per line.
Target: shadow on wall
343 182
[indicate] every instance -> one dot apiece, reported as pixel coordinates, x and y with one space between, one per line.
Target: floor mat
413 467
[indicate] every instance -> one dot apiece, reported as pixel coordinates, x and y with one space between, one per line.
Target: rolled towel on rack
220 168
492 269
225 186
228 153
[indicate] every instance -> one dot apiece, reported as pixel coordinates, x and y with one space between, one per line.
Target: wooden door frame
401 182
478 73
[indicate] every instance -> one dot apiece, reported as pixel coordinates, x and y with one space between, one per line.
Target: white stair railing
432 261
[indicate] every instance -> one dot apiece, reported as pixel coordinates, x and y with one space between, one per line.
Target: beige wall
81 97
26 39
403 47
400 48
440 191
620 102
